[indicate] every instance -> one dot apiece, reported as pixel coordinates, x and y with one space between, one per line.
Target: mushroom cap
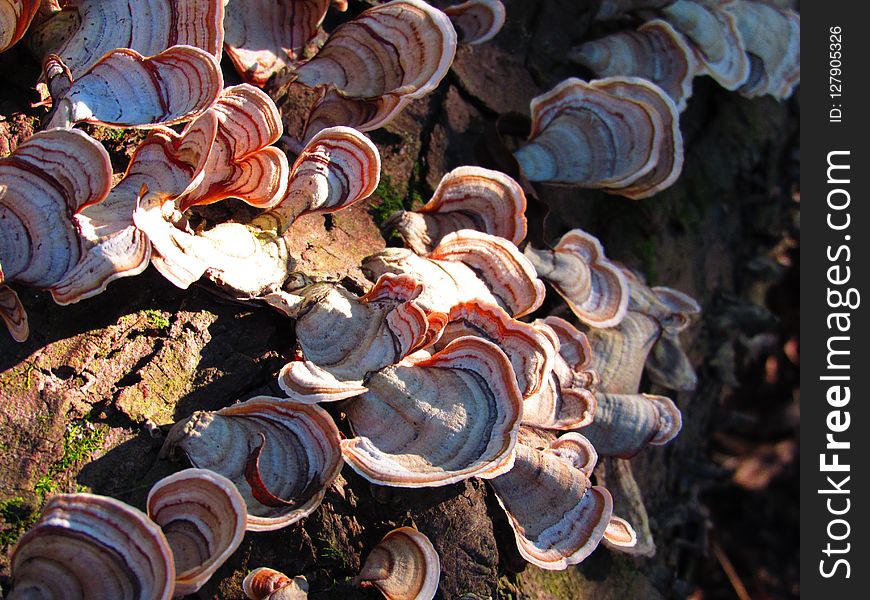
203 517
15 18
403 566
557 516
625 423
655 52
619 353
432 421
264 37
466 198
620 535
94 547
715 38
476 21
126 89
264 583
595 289
250 442
13 314
146 26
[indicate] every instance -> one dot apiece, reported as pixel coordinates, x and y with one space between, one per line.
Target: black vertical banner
835 266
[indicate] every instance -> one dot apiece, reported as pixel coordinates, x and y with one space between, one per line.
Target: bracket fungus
432 421
476 21
655 52
264 583
389 55
343 337
126 89
264 37
466 198
594 288
620 134
338 167
203 518
282 455
92 547
48 179
15 18
402 566
146 26
625 423
467 265
557 515
772 41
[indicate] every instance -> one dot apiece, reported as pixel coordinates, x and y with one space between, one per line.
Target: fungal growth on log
400 336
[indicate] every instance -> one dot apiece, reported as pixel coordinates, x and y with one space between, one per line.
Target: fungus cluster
437 378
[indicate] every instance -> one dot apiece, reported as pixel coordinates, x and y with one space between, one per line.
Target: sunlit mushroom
594 288
126 89
625 424
630 532
466 198
268 584
203 517
432 421
557 515
402 566
15 18
92 547
467 265
250 442
343 337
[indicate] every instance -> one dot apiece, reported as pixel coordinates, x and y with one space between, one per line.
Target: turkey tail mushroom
92 547
268 584
433 421
15 18
466 198
250 442
402 566
203 518
625 424
476 21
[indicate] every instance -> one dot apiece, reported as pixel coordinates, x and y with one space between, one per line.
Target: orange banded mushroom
250 442
466 198
15 18
402 566
203 518
476 21
432 421
268 584
557 515
594 288
92 547
343 337
625 424
126 89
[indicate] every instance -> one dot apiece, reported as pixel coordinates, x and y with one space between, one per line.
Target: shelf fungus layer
625 424
437 420
15 18
772 39
594 288
92 547
714 37
466 198
557 515
530 351
655 52
343 337
282 455
146 26
264 583
467 265
47 180
603 135
402 566
203 517
126 89
476 21
566 400
265 37
337 168
619 353
401 49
